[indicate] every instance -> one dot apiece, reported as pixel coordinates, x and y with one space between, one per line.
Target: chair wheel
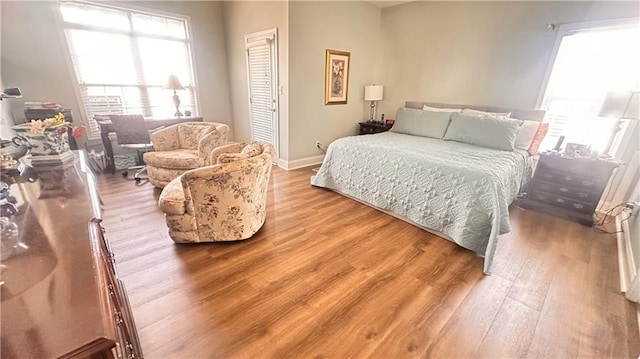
137 180
125 174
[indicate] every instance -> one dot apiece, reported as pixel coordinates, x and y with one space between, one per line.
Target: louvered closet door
262 88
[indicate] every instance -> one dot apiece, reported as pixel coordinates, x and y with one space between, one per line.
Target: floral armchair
182 147
222 202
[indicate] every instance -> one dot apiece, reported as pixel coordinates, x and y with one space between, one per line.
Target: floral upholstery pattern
172 198
230 157
178 159
190 136
182 147
249 150
221 202
160 177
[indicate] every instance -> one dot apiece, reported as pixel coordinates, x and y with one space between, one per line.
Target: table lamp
620 105
373 93
174 84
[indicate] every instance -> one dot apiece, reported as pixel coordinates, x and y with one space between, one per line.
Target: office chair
132 134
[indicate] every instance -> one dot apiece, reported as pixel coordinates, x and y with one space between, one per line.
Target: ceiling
388 3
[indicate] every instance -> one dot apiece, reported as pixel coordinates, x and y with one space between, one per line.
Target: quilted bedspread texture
454 188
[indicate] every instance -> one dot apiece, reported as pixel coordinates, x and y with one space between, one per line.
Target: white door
262 78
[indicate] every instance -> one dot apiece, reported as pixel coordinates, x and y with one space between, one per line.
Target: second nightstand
367 128
568 187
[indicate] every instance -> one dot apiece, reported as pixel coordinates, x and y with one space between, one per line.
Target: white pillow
435 109
416 122
526 134
468 111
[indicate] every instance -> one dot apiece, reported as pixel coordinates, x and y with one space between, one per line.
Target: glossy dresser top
50 295
591 167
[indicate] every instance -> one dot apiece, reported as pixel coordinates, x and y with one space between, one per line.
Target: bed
456 190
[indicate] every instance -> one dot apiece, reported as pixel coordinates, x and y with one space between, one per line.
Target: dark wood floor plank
327 276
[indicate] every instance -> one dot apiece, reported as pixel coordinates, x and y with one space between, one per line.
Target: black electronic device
559 143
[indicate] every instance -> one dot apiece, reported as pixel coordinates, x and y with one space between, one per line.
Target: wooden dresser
568 187
60 292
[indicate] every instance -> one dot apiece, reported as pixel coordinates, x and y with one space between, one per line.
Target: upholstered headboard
531 115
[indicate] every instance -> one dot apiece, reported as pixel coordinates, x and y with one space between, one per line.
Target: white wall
315 26
478 52
33 58
33 54
246 17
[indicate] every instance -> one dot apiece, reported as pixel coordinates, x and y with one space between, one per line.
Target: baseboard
303 162
637 316
626 263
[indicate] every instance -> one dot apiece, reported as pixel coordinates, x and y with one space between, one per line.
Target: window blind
261 99
122 58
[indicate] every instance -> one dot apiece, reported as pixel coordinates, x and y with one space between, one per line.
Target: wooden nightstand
368 128
568 187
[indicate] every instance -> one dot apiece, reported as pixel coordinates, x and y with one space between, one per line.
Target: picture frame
576 150
336 74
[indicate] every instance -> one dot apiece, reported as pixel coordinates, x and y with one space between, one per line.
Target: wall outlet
321 147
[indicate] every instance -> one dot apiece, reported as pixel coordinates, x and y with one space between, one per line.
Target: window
589 63
122 58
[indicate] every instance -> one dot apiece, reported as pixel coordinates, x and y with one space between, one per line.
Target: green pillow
421 123
493 132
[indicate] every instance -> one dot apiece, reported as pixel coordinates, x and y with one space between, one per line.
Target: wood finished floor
329 277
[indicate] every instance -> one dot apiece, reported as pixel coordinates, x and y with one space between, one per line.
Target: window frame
568 29
571 28
63 26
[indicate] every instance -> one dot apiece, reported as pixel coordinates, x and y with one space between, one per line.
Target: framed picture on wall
336 77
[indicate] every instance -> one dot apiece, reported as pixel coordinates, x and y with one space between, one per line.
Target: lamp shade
173 83
621 104
373 93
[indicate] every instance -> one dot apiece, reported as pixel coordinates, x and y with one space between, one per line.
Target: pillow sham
436 109
526 134
231 157
469 111
486 131
252 149
537 139
249 150
421 123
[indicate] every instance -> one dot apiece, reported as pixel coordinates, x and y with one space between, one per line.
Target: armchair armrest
188 178
165 139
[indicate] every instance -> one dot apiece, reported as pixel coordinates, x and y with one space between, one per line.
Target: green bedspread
454 188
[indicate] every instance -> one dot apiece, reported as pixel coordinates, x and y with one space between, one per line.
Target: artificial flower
39 126
78 131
